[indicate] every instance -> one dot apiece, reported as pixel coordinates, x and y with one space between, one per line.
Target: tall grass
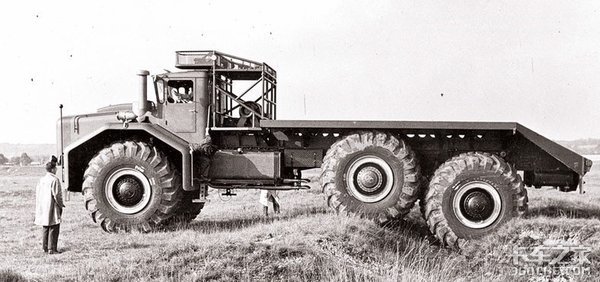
232 241
8 275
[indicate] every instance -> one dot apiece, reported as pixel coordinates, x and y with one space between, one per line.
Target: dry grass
231 240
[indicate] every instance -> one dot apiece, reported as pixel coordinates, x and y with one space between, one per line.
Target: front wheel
472 195
131 185
187 210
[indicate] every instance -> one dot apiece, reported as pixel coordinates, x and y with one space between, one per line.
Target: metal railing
225 70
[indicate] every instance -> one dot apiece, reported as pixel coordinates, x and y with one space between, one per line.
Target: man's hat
51 164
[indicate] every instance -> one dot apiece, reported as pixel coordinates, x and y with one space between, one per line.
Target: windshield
159 89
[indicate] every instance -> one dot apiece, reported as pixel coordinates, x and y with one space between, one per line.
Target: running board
279 188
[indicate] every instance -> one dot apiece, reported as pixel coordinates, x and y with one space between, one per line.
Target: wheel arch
78 154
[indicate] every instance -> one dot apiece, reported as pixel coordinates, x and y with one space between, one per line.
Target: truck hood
116 108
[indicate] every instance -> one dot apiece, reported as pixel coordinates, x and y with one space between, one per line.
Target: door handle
192 111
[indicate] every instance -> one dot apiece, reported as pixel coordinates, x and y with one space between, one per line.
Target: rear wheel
472 195
371 174
131 185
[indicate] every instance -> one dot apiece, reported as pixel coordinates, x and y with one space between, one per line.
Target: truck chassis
146 164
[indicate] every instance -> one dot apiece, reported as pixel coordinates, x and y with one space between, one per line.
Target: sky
532 62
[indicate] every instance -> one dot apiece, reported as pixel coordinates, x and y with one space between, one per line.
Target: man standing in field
267 196
48 207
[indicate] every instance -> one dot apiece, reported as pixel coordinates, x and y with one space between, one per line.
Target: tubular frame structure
225 69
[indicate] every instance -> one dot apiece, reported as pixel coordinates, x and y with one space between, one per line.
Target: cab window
180 91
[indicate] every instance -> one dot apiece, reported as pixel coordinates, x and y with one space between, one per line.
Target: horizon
534 62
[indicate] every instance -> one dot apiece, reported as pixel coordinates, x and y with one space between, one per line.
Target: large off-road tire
187 210
372 175
131 185
471 195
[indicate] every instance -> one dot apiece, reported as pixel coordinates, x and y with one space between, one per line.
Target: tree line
22 160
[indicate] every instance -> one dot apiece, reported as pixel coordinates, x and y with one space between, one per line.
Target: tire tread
359 141
447 173
141 151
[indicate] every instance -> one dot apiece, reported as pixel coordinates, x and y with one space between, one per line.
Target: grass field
231 240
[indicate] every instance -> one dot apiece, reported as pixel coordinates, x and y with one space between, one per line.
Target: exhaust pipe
142 104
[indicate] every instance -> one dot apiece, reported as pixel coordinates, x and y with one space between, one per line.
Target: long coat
48 201
267 196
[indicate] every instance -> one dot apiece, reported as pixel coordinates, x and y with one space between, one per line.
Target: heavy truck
213 124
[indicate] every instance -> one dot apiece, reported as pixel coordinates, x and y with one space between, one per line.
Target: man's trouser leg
275 204
53 238
45 238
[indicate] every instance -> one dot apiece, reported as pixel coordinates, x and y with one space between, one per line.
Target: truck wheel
131 185
371 174
187 210
471 195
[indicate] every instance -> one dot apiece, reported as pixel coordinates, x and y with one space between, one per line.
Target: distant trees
583 146
15 160
25 159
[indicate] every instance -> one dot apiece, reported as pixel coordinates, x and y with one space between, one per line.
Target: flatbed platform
436 125
570 159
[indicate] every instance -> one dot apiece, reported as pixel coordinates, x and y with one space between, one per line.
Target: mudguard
154 130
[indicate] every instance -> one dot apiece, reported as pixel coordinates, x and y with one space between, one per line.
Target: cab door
180 105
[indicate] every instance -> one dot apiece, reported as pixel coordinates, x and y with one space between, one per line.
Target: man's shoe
54 252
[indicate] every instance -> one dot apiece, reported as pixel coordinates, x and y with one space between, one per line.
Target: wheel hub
369 178
128 191
478 205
